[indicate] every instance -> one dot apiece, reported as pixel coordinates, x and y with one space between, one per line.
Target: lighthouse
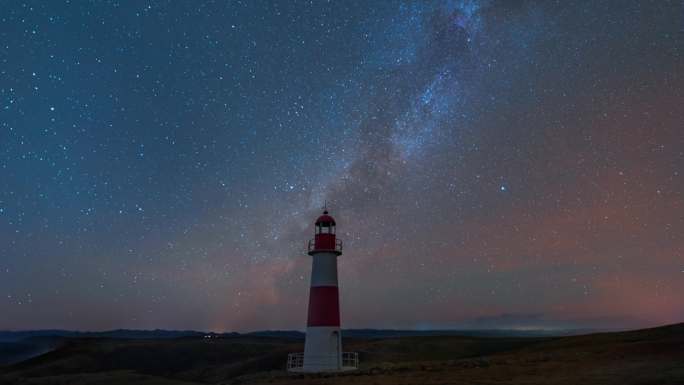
323 344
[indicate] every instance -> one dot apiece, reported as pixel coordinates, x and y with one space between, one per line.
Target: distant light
503 188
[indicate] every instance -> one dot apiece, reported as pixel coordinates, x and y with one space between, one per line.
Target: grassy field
645 357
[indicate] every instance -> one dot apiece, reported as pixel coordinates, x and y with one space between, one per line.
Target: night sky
513 164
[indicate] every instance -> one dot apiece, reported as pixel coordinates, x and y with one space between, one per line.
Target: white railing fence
350 360
295 362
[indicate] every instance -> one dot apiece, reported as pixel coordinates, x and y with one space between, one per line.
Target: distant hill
8 336
388 333
13 336
17 351
16 346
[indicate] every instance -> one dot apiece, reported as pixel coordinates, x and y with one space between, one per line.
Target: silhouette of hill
13 336
649 356
8 336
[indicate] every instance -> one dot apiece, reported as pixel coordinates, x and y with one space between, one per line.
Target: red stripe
324 306
324 242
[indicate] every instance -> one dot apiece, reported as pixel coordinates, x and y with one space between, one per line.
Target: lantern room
325 224
324 238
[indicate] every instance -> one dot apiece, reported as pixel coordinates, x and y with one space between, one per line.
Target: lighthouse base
323 349
322 353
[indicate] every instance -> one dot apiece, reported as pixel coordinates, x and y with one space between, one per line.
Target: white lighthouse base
322 353
323 349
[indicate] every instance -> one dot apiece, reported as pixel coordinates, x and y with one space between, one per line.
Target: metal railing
295 362
312 246
350 360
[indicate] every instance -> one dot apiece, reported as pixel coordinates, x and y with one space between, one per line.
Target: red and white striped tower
323 346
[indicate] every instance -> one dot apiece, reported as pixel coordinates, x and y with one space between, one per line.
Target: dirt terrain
644 357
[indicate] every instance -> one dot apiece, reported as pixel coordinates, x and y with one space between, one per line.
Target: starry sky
490 164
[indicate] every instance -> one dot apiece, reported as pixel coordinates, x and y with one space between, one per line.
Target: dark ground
644 357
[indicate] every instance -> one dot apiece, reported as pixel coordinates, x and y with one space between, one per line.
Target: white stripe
324 270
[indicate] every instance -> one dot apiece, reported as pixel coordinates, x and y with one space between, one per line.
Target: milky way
511 164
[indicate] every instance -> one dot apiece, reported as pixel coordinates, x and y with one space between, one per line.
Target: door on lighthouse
336 359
